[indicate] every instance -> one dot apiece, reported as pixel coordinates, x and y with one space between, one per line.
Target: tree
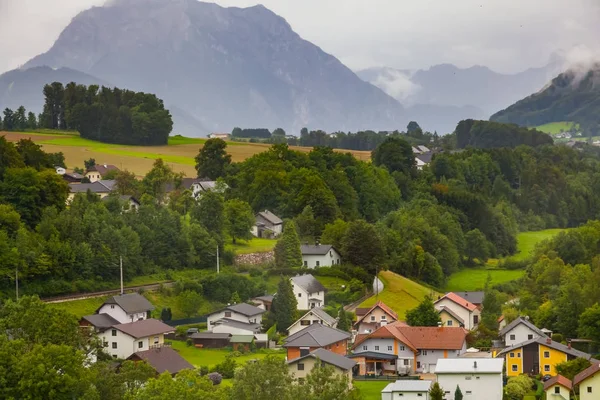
239 219
287 250
362 246
9 121
235 298
212 160
284 305
210 213
166 314
589 323
31 121
458 393
307 226
436 392
189 302
186 385
424 314
396 155
33 155
412 127
334 233
156 180
491 307
518 386
9 156
324 383
476 246
278 132
89 163
126 183
266 379
344 323
570 368
20 119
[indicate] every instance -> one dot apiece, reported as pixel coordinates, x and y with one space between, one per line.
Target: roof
383 307
101 321
452 313
103 168
425 157
558 380
407 386
244 309
315 249
319 312
375 355
421 337
238 324
163 359
241 338
586 373
131 303
469 365
308 283
144 328
109 183
95 187
360 311
328 357
123 197
475 297
74 175
459 301
269 216
209 335
544 341
267 298
519 321
316 335
423 148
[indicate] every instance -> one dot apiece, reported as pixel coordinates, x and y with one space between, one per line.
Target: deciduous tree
189 302
239 219
212 160
424 314
266 379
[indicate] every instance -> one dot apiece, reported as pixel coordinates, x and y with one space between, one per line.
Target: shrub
215 377
203 370
227 367
255 273
189 342
557 337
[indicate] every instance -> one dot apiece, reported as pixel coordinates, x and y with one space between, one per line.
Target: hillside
571 96
220 67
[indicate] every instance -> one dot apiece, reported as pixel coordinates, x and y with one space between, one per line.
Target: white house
478 378
320 255
309 292
98 172
124 308
242 312
407 390
268 225
519 331
377 316
234 327
123 340
216 135
315 316
456 311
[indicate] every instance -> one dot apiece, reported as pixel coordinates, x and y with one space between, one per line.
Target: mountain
220 67
572 96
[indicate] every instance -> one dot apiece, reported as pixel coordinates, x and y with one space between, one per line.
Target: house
407 390
129 307
316 336
588 381
162 359
245 313
400 349
478 378
538 356
73 177
263 302
210 340
475 297
268 225
97 187
378 315
558 387
415 150
196 186
122 340
319 255
315 316
300 367
223 136
129 202
423 159
519 331
99 322
456 311
239 342
309 292
98 172
234 327
423 149
501 322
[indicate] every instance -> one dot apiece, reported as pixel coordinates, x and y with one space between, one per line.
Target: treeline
19 120
488 134
107 115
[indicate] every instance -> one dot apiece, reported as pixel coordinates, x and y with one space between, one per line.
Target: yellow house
538 356
300 367
588 381
450 318
558 388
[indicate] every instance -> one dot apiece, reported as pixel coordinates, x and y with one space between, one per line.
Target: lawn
555 127
400 293
254 245
474 278
80 307
211 357
526 241
371 390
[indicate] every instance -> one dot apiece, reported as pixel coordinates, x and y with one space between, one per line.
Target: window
476 378
389 348
529 337
383 317
365 348
304 323
546 354
514 368
318 264
469 392
376 348
114 345
155 339
518 355
401 348
557 389
112 307
227 314
114 332
512 355
406 361
424 352
449 322
330 253
475 319
467 378
306 263
299 294
512 337
546 368
316 321
372 318
300 367
419 366
140 345
392 362
304 352
589 389
114 356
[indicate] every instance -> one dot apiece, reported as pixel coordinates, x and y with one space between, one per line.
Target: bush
215 377
557 337
227 367
255 273
511 264
203 370
189 342
187 284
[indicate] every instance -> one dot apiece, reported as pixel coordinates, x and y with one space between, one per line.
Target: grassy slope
555 127
526 241
400 293
212 357
371 390
255 245
80 307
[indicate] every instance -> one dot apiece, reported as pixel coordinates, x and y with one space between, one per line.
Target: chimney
569 344
548 341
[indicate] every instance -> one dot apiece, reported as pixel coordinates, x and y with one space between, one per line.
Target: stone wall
254 258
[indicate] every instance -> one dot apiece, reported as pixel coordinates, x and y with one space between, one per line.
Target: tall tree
307 226
284 305
491 307
156 180
362 246
476 246
458 393
239 219
344 323
20 119
212 160
412 126
189 302
210 213
9 156
9 121
31 121
424 314
589 323
127 183
89 163
287 250
396 155
436 392
33 155
266 379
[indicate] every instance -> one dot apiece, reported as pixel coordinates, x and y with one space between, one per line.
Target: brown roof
586 373
144 328
459 300
383 307
558 380
361 311
103 168
163 359
387 331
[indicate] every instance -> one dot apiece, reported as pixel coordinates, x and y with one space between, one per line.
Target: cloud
397 84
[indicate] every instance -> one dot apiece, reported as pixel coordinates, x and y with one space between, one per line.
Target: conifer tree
235 298
458 393
284 305
343 321
436 392
287 250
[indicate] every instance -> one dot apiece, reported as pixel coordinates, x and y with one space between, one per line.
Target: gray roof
101 321
123 197
328 357
95 187
308 283
269 216
238 324
163 359
406 385
519 321
553 344
209 335
130 302
375 355
109 183
316 335
315 249
319 312
425 157
475 297
267 298
144 328
74 175
245 309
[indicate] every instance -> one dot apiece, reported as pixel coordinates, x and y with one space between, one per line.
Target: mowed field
555 127
179 153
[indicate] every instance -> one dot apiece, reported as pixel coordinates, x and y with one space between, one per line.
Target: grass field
371 390
400 293
526 241
255 245
555 127
179 153
212 357
80 307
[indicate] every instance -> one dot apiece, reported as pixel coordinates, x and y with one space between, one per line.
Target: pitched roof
241 338
407 386
458 300
238 324
95 187
123 197
163 359
269 216
315 249
109 183
374 354
421 337
452 313
103 168
268 298
475 297
209 335
558 380
144 328
545 341
586 373
425 157
316 335
308 283
74 175
519 321
131 303
319 312
101 321
386 331
383 307
245 309
360 311
469 365
328 357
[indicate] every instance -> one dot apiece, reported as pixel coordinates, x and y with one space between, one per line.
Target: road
81 296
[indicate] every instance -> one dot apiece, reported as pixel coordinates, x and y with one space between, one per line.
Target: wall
462 312
481 386
303 303
231 329
429 360
93 176
398 348
405 396
127 345
368 326
547 364
309 364
119 314
521 333
327 260
515 360
563 391
297 326
340 348
445 317
592 382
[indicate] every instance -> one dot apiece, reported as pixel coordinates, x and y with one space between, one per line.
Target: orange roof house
378 315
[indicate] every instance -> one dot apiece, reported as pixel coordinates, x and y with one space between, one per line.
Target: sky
505 35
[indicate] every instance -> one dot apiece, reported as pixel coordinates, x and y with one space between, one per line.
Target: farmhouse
407 390
245 313
320 255
315 316
99 188
519 331
315 337
98 172
456 311
309 292
558 386
377 316
125 308
122 340
162 359
588 381
268 225
478 378
300 367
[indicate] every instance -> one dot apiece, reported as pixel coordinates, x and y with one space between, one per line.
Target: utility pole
218 259
17 283
121 271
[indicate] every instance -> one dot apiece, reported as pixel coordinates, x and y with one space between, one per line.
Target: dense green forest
487 134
